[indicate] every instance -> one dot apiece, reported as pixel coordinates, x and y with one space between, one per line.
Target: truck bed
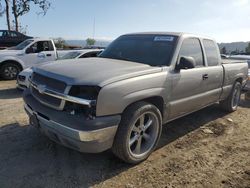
230 61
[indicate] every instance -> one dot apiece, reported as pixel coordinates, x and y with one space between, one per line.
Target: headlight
84 92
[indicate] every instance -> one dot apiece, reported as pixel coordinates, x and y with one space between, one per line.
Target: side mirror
29 50
185 62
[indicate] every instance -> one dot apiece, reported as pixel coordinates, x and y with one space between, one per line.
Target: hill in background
82 43
234 46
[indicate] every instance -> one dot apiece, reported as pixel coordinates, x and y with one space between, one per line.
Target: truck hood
94 71
10 52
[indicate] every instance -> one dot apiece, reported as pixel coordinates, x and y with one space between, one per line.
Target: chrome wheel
236 97
143 135
10 72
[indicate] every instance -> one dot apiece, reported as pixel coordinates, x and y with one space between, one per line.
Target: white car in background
23 77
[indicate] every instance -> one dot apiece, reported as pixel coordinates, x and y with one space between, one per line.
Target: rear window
211 52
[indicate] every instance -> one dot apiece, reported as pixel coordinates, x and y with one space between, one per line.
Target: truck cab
30 52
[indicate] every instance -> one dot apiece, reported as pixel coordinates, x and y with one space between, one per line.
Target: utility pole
94 29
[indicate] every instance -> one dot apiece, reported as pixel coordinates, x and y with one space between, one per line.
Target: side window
41 46
89 54
211 52
51 47
4 34
192 47
12 34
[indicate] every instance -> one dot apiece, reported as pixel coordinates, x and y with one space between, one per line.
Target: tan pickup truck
121 99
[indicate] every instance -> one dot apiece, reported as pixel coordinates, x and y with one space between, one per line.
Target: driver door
187 84
38 53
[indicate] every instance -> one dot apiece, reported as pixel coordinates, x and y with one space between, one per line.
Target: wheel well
239 80
11 61
156 100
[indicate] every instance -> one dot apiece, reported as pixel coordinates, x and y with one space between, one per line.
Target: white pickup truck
27 54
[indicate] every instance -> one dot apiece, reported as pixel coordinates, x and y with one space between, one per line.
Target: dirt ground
209 148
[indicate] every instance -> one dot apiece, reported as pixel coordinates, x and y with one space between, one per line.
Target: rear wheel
9 71
232 102
138 133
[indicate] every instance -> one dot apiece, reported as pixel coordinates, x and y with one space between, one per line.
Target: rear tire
138 133
9 71
231 103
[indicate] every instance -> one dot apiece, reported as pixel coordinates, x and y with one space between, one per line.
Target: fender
12 58
115 104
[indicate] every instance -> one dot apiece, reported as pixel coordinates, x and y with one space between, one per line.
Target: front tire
231 103
138 133
9 71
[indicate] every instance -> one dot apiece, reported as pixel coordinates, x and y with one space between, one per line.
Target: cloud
241 2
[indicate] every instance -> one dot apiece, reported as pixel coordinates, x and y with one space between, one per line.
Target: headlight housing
84 92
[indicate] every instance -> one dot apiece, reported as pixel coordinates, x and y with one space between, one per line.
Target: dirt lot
208 148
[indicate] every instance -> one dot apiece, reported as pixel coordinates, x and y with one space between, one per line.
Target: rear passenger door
214 71
188 85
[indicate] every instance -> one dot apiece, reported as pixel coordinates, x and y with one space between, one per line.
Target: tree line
14 9
223 50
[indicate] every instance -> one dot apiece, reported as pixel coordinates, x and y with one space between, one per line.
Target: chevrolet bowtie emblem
41 88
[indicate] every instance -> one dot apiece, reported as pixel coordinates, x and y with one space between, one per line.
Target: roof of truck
178 34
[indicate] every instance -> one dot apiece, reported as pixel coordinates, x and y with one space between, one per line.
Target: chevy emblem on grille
41 88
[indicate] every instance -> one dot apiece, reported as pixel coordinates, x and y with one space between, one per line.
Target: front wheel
232 102
138 132
9 71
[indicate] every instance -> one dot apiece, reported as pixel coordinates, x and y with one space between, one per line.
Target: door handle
205 76
48 55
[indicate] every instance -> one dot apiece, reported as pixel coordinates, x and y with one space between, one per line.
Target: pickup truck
27 54
121 98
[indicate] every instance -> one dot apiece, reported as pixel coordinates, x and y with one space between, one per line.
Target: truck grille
51 83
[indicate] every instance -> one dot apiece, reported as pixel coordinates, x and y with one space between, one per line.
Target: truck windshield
22 45
154 50
70 55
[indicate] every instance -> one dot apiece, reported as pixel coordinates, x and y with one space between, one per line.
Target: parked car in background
121 99
81 54
11 38
23 76
29 53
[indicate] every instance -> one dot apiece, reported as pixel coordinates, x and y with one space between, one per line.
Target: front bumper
91 136
22 83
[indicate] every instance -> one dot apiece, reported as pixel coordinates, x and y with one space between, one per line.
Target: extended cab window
211 52
191 47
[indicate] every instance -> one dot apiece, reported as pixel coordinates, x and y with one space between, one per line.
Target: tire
230 104
9 71
138 132
247 96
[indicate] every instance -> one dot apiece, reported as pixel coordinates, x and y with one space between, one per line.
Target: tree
1 9
223 50
248 49
90 41
7 12
60 43
22 7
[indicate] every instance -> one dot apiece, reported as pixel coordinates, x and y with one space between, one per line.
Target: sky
224 20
